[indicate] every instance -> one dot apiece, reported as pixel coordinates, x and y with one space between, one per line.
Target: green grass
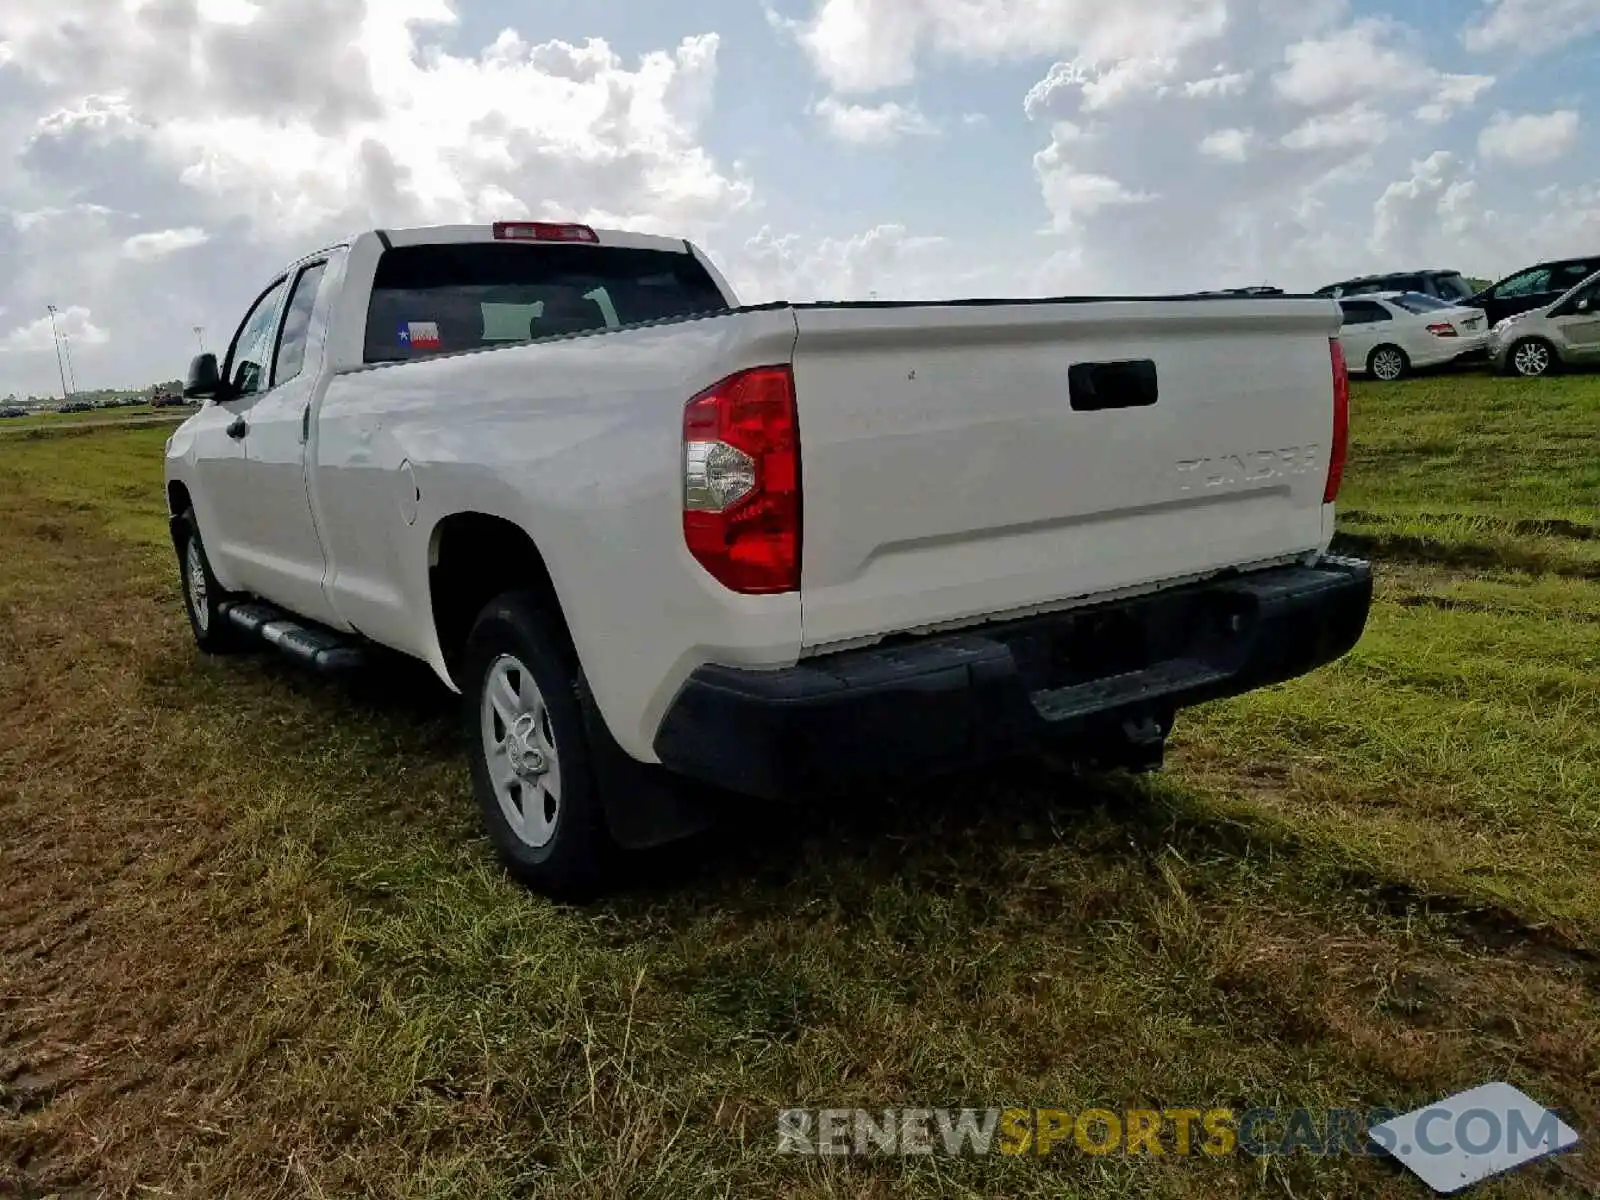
1478 471
254 944
53 422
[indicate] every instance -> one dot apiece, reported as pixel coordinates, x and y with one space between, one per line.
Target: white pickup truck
657 539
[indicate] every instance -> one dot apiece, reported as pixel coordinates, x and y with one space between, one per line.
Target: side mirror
204 381
1586 305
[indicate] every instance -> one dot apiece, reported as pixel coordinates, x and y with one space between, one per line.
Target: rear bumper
1079 678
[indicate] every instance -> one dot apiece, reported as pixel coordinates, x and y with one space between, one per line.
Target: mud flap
645 805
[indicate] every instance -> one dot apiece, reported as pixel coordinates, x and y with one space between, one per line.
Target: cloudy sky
159 158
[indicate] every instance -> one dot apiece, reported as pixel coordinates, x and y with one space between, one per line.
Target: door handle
238 429
1098 386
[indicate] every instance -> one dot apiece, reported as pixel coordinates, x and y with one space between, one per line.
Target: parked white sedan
1389 334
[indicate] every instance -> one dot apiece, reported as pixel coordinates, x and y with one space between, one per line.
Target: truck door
283 555
223 500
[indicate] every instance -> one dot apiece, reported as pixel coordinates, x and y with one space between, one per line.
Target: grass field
54 424
252 943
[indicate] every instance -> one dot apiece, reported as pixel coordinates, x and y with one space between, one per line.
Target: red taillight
1443 331
741 481
542 231
1341 423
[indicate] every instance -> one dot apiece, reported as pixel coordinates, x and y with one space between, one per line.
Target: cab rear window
442 299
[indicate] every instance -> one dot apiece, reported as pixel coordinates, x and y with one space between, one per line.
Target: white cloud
1529 140
885 258
1356 63
1224 83
1532 26
1050 92
26 222
1228 145
873 124
1353 128
1073 194
867 45
1454 92
1367 62
1434 206
1127 79
385 132
331 115
74 323
144 247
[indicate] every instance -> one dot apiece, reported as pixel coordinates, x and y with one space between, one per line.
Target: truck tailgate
962 461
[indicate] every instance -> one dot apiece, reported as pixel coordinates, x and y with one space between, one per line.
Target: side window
1528 283
1365 312
1589 296
252 346
297 325
1569 276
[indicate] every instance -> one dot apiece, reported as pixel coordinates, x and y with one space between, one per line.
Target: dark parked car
13 412
1533 287
1450 286
76 406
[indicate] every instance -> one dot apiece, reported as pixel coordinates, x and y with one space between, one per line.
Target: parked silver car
1566 333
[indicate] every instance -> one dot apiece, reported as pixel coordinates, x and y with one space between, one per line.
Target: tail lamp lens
741 481
1341 423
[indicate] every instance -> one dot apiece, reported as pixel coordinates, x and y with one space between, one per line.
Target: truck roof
434 235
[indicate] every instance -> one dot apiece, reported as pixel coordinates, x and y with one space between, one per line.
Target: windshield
1416 302
442 299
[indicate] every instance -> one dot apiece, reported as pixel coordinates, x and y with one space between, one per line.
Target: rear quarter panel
578 442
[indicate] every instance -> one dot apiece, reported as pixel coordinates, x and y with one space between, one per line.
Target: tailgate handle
1096 387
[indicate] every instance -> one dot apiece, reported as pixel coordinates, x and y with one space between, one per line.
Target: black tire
1372 363
576 857
213 632
1519 360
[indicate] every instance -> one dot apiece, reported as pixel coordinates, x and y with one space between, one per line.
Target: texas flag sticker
420 335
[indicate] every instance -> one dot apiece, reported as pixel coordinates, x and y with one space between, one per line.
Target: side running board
316 647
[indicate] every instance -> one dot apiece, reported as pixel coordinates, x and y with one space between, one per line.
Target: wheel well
177 499
474 557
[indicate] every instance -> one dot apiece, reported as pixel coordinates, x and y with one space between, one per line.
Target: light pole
72 376
66 396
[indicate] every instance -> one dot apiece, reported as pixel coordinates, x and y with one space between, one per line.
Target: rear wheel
202 594
1388 363
1531 358
532 767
